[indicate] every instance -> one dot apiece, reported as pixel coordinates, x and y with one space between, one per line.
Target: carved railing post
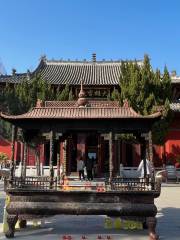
12 164
51 158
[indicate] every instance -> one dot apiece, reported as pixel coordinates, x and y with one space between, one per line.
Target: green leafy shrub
3 157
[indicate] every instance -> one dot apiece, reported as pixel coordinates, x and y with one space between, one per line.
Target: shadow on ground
169 223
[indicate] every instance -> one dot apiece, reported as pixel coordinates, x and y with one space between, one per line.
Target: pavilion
81 126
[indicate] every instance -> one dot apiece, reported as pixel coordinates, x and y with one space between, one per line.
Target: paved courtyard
92 226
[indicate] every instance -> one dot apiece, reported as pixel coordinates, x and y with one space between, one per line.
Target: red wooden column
69 150
63 155
42 154
61 152
150 148
111 165
22 152
58 159
37 160
136 154
100 155
24 162
114 156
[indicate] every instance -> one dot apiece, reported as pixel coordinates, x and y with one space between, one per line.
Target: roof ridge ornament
43 58
94 57
82 100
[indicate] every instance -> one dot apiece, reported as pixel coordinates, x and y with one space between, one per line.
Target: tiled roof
71 73
16 78
79 113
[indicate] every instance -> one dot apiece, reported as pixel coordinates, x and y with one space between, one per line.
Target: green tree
71 96
145 91
115 95
166 90
63 95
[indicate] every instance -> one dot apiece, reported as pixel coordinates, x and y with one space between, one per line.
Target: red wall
5 147
171 149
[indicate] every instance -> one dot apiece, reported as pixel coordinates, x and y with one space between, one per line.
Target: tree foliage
20 98
145 90
115 96
63 95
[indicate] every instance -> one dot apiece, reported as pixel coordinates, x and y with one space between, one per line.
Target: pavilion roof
93 110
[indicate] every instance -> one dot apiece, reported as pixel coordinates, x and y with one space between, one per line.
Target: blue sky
114 29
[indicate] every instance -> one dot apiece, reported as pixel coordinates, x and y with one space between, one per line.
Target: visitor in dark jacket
89 168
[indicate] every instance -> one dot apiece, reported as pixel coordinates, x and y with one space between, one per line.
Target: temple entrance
129 154
82 145
47 153
92 151
105 161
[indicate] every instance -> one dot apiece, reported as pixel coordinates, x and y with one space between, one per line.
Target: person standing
80 168
89 168
149 169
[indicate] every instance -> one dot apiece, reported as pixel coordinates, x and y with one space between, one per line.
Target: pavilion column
13 165
150 154
58 160
24 162
65 156
144 154
111 166
150 146
100 155
37 159
51 157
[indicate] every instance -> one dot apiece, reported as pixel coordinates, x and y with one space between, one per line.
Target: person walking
80 168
